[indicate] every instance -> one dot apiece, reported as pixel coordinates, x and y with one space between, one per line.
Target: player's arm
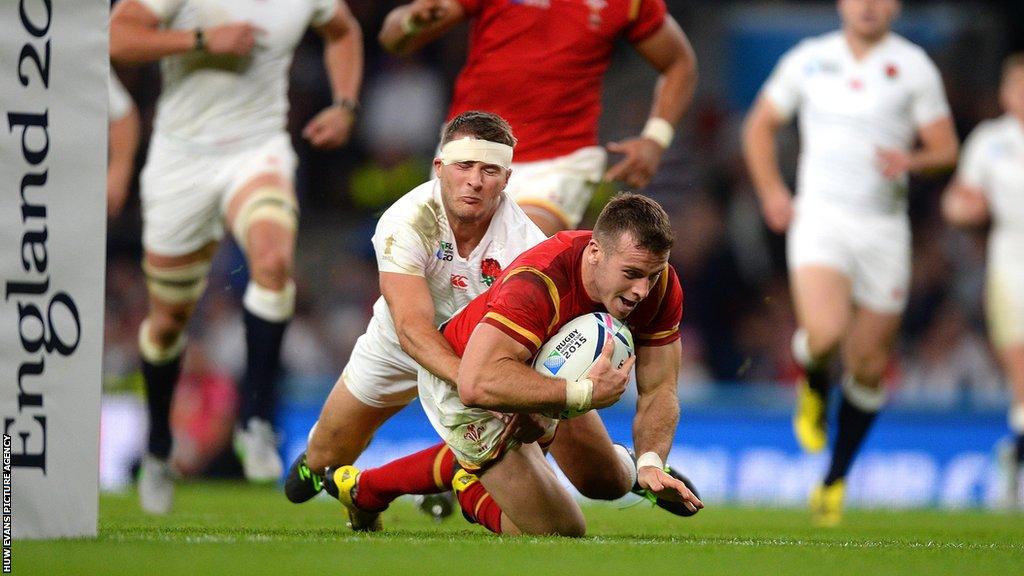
343 59
760 150
122 145
412 309
938 151
412 26
964 206
657 414
495 375
136 36
669 52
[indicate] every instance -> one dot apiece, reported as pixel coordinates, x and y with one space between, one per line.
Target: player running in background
540 66
221 157
437 247
989 186
863 94
123 143
490 416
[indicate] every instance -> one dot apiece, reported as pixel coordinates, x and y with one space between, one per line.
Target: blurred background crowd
737 320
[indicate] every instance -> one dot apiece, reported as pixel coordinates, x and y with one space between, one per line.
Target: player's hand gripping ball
572 352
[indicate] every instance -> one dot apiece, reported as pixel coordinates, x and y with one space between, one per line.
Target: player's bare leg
590 461
821 297
262 215
531 496
174 284
866 352
344 429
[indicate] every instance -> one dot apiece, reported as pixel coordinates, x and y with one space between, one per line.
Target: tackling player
864 95
989 185
555 55
489 417
437 248
220 157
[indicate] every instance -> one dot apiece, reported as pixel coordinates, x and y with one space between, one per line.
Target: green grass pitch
229 528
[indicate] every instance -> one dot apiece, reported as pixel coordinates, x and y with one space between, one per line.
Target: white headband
474 150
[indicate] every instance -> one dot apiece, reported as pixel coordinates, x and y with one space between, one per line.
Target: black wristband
200 40
347 104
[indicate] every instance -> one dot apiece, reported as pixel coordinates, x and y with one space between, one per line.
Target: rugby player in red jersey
491 417
540 64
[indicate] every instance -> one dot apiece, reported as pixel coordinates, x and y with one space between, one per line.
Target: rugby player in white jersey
989 185
220 157
437 248
864 94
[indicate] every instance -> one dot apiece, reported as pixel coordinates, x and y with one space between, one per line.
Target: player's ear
437 167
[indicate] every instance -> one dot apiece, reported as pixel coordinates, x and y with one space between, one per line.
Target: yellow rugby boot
809 423
826 504
343 483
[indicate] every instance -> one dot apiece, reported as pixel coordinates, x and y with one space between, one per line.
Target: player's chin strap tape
867 399
152 353
177 284
474 150
268 204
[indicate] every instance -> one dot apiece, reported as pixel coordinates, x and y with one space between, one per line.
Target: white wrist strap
659 130
650 459
578 394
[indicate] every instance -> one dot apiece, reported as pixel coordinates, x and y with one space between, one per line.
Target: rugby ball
571 352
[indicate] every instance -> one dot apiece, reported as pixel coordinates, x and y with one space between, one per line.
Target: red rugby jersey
540 64
541 290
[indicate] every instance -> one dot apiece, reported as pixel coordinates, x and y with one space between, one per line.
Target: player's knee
271 266
611 490
270 305
572 528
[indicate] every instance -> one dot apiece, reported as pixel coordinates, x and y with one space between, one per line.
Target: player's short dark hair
639 215
480 125
1015 60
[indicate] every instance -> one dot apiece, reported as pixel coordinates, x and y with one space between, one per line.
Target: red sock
478 505
429 471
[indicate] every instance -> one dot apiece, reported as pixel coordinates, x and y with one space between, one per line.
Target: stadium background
934 447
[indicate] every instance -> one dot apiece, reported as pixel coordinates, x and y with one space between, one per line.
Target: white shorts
1004 303
185 190
872 250
474 435
379 373
560 185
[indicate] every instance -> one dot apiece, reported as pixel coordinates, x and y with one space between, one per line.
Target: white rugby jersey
214 100
413 237
849 108
993 161
119 103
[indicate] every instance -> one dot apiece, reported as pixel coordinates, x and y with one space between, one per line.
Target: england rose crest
489 270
